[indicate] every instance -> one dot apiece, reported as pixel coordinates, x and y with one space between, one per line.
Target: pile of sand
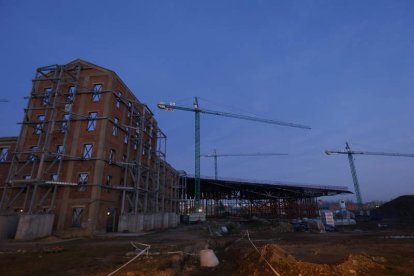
286 264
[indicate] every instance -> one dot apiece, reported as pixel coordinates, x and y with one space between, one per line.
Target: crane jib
197 110
231 115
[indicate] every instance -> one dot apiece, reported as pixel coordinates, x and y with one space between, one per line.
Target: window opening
111 156
129 109
108 180
77 217
65 121
39 125
96 94
55 177
46 96
92 121
126 136
115 127
59 152
33 151
82 182
118 100
71 93
87 151
3 154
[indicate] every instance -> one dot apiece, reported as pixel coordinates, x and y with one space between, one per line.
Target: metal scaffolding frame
145 177
42 158
149 183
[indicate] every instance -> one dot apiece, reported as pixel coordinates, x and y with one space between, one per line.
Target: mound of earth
399 208
287 265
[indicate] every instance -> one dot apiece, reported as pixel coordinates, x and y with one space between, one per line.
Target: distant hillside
400 208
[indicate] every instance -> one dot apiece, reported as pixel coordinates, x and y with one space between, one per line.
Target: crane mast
215 155
350 154
197 154
354 176
197 110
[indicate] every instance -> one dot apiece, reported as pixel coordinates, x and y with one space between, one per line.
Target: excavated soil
401 208
175 252
273 259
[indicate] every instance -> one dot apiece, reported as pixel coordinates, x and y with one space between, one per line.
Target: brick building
89 158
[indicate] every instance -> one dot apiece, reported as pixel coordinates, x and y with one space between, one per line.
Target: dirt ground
349 251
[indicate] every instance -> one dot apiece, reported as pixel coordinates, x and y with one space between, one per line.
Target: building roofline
79 60
235 183
8 138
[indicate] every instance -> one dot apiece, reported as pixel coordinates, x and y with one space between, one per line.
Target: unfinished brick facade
89 152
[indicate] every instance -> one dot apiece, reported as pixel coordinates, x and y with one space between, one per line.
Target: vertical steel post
197 155
215 165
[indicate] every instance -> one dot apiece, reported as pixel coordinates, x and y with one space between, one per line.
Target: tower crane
197 110
350 153
215 155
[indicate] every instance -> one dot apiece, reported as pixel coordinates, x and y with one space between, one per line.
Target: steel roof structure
228 188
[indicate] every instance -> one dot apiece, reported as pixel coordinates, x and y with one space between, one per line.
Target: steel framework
39 160
149 183
237 197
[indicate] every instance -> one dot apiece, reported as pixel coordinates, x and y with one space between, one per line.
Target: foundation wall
131 223
34 226
172 220
158 219
165 223
148 222
8 226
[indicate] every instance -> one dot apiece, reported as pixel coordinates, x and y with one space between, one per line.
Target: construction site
86 189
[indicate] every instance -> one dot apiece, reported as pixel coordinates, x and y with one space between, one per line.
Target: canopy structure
231 196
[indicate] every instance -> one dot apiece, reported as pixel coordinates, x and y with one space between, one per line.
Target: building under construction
90 158
222 197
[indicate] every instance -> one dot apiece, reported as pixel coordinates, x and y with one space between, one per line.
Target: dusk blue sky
346 68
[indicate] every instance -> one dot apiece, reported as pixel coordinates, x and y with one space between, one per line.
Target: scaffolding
146 186
148 183
40 193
